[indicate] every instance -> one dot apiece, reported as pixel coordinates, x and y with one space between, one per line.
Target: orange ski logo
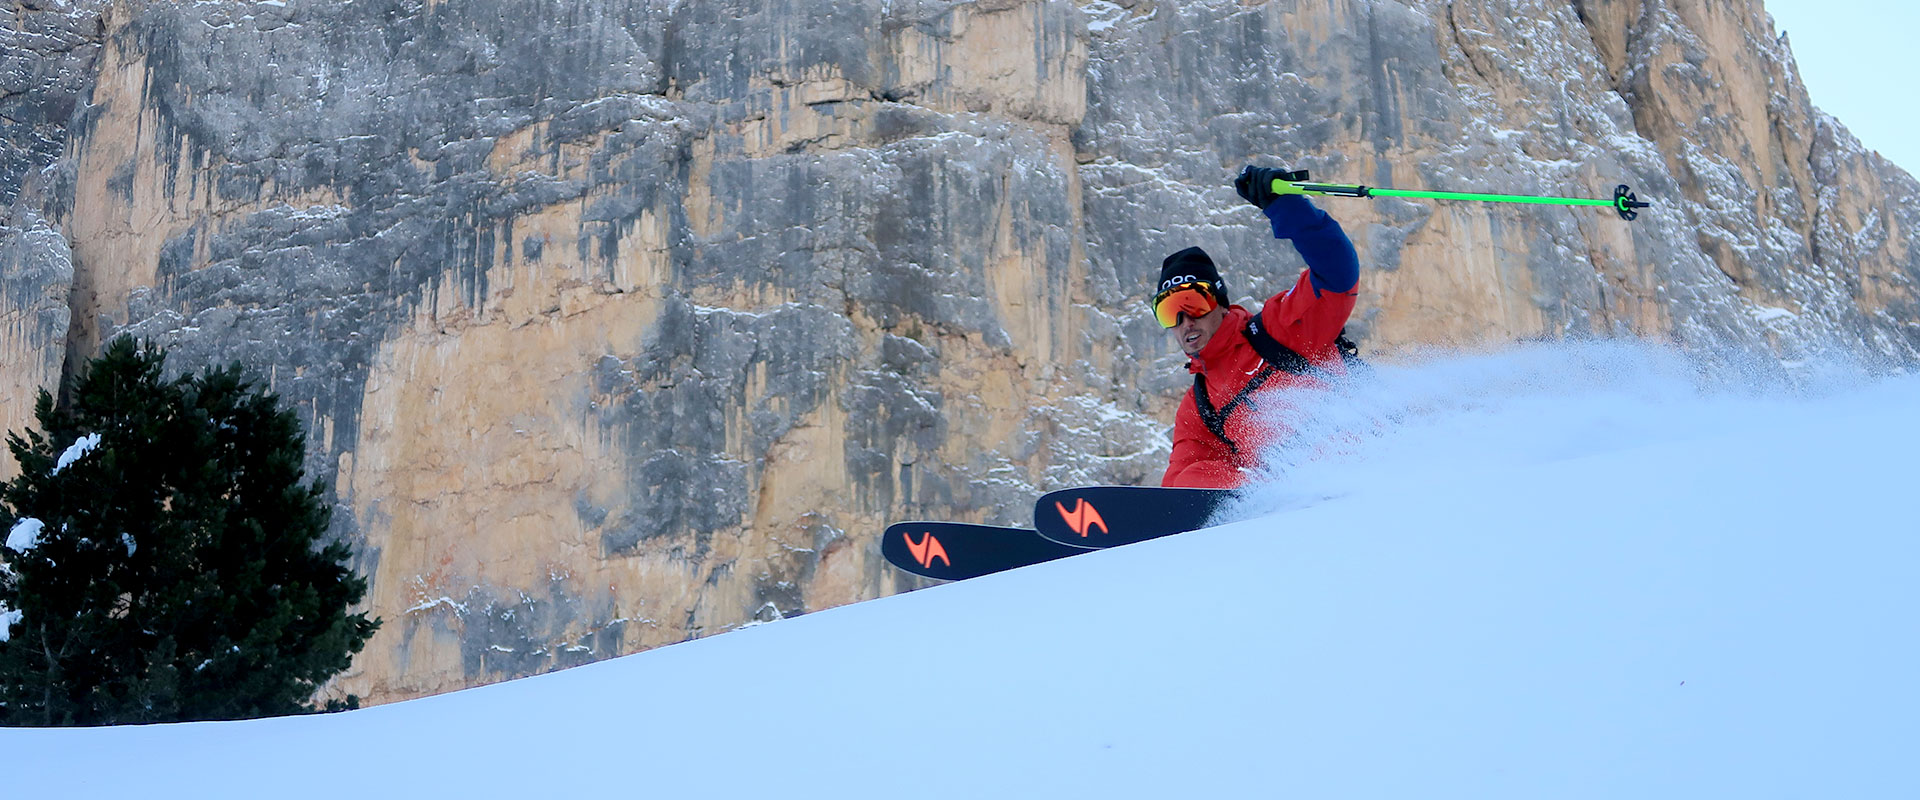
1083 516
926 550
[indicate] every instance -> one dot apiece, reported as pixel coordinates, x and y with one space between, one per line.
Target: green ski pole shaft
1623 200
1494 198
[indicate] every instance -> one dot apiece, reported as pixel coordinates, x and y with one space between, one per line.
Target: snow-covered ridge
1570 573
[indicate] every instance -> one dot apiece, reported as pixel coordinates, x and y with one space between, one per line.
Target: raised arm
1309 316
1331 261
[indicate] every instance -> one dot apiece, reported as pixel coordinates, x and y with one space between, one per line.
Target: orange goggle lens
1192 299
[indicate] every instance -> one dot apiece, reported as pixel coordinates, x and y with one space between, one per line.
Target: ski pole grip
1328 189
1288 182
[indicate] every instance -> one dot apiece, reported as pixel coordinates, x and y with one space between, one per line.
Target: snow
76 451
426 604
1566 572
25 534
1102 15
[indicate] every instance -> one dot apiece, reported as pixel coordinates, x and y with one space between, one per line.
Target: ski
954 551
1109 516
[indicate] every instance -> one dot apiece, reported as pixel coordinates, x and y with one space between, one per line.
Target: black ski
1108 516
958 550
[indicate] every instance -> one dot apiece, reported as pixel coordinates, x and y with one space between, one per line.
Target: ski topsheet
1066 522
1109 516
958 550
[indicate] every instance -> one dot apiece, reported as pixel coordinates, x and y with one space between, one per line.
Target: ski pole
1296 182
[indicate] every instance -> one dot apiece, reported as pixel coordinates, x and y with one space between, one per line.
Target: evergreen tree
174 571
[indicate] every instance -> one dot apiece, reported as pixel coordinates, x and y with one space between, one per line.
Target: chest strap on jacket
1272 351
1284 358
1216 419
1279 358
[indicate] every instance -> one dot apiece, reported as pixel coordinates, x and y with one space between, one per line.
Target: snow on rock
1102 15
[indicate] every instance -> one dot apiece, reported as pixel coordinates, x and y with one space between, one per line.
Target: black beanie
1191 264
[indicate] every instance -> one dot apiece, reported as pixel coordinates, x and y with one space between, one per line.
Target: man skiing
1240 359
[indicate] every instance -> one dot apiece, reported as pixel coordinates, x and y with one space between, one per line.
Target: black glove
1255 184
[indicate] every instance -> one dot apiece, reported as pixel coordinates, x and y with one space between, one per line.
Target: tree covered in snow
165 560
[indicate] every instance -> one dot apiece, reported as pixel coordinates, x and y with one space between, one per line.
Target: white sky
1852 55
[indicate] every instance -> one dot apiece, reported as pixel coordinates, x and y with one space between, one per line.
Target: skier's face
1193 333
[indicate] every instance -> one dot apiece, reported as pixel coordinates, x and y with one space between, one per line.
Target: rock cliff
619 323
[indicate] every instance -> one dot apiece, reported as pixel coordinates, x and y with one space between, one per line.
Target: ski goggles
1193 298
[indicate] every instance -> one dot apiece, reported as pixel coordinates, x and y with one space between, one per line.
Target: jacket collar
1219 352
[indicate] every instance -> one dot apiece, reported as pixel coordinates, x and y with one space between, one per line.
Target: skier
1240 360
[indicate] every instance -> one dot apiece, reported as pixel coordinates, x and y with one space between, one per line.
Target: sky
1556 571
1853 58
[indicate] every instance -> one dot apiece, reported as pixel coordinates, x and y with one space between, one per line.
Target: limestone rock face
46 56
619 323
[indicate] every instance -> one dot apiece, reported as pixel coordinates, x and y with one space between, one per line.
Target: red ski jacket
1306 319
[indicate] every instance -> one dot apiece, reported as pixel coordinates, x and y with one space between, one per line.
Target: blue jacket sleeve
1321 241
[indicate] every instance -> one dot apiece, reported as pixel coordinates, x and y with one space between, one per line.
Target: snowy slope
1553 573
